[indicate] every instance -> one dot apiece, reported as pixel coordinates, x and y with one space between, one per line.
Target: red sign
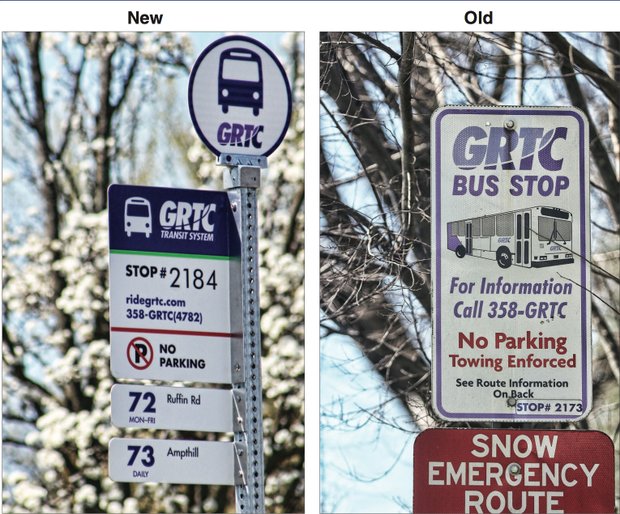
475 471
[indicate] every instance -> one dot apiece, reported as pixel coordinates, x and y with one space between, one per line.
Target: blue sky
366 464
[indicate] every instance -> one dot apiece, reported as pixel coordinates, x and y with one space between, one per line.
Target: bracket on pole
230 160
241 470
242 176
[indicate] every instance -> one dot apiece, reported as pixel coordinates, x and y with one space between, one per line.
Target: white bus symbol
138 216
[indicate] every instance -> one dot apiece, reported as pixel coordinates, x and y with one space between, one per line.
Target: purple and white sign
511 244
239 97
174 284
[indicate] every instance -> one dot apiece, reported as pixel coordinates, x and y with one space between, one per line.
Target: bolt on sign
518 471
511 244
174 285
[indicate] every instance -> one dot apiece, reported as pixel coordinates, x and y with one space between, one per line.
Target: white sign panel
174 284
510 239
173 462
177 408
239 97
157 356
159 292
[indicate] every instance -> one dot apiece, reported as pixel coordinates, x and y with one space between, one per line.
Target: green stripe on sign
167 254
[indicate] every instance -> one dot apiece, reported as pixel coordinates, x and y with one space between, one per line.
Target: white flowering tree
81 111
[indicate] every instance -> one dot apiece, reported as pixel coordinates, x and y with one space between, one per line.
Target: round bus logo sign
140 353
239 97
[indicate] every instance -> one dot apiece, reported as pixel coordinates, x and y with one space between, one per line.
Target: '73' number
147 461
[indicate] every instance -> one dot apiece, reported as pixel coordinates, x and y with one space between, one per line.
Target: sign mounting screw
514 469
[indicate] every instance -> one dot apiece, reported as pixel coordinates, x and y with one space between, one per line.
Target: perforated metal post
243 175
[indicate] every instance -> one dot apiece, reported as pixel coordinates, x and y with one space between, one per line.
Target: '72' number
147 461
148 396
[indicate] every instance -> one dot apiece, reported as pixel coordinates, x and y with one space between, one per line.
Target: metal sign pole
243 175
229 120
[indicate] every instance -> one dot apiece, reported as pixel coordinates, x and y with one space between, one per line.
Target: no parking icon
139 353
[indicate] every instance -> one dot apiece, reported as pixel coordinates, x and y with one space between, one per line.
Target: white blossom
7 176
130 505
50 459
29 495
86 494
114 508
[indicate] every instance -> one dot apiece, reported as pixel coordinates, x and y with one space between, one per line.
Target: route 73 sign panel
511 243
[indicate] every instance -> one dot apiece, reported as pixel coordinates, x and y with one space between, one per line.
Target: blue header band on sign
169 220
238 94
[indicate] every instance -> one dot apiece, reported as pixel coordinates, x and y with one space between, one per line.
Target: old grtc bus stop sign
511 244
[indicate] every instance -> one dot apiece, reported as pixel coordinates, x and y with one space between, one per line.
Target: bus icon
240 80
533 237
138 216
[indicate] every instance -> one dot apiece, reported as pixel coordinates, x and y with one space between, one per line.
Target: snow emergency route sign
511 244
174 284
517 471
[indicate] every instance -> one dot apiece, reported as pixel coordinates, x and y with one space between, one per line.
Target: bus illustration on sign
533 237
240 80
138 216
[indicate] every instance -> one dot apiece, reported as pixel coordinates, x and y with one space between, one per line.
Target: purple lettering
529 136
223 133
236 134
468 157
498 145
501 143
544 154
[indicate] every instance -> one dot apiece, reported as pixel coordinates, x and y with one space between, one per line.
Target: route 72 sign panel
510 239
178 408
